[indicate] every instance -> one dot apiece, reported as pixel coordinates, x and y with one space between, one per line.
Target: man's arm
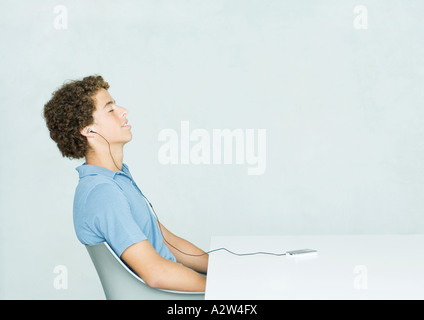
159 272
176 245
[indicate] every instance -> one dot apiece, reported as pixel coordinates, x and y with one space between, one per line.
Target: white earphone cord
214 250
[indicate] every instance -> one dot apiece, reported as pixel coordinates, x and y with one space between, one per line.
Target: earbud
90 131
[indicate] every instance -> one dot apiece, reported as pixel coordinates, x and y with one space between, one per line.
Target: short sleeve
109 216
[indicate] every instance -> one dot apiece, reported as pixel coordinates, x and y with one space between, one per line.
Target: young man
85 121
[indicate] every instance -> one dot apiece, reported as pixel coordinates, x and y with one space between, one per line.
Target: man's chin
129 139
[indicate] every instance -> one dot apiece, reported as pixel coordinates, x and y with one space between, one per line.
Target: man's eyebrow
108 103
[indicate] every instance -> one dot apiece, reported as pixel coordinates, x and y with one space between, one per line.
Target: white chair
120 283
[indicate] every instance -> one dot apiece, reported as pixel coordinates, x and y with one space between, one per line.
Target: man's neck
103 158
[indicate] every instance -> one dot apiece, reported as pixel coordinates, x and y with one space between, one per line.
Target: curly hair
71 109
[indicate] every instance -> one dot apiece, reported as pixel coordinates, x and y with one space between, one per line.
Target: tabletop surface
345 267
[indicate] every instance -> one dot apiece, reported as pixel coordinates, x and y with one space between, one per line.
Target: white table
346 267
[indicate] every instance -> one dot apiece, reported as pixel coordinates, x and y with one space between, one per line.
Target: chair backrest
120 283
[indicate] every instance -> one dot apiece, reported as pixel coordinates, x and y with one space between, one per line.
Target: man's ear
87 132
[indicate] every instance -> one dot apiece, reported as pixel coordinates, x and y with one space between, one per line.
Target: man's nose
123 111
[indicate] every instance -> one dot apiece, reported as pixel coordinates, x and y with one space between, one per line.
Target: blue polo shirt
108 206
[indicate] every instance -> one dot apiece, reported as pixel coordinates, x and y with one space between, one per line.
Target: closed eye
109 104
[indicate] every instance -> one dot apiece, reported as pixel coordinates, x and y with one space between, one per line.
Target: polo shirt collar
90 169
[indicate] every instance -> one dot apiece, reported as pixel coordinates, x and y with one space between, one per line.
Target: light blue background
343 109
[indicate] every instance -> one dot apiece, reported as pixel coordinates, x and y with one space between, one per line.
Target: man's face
110 120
